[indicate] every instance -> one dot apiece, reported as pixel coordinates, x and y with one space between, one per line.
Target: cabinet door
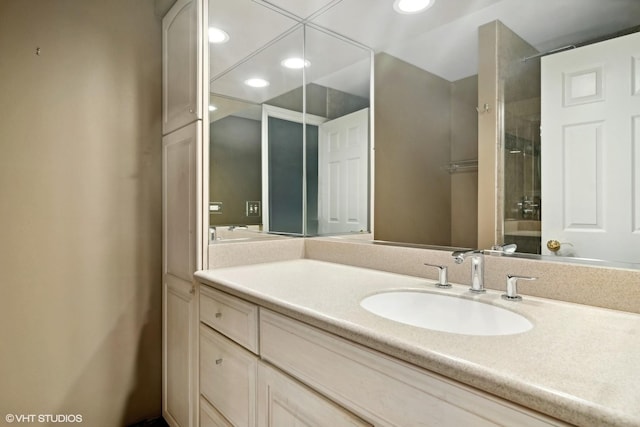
180 260
210 417
283 402
178 362
181 64
180 202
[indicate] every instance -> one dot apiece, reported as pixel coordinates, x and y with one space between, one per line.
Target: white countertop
580 364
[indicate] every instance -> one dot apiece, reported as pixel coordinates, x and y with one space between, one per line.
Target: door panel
590 160
342 174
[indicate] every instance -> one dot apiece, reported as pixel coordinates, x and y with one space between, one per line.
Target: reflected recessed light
412 6
212 108
255 82
216 35
295 63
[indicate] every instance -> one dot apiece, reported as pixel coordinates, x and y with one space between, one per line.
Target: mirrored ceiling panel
336 64
380 27
249 27
444 40
301 9
265 66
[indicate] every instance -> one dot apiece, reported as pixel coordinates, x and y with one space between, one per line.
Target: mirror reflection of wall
456 120
236 177
426 155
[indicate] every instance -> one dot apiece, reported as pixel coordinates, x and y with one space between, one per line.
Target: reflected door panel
285 176
590 144
343 160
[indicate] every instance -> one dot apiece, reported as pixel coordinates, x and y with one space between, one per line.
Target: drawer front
228 377
209 417
231 316
382 390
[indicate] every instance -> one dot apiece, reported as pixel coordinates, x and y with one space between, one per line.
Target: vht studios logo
43 418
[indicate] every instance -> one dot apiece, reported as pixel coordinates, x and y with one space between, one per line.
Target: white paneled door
591 150
343 174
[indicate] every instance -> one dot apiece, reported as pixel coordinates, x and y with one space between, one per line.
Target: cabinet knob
191 110
218 315
219 361
192 290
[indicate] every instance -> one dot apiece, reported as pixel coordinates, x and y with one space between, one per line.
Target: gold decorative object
553 245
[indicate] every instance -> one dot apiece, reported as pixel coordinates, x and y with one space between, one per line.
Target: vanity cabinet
379 388
228 357
237 388
302 375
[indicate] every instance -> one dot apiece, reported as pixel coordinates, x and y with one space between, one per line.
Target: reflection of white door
342 174
591 150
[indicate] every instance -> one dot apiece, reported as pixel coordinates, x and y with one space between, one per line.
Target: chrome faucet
505 249
477 267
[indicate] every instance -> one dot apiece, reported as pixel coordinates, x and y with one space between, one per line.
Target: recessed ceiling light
212 108
256 82
295 63
412 6
216 35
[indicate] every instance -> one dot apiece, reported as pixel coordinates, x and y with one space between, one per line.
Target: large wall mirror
289 123
456 107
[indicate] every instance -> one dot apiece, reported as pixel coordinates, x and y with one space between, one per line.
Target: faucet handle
506 249
442 275
512 287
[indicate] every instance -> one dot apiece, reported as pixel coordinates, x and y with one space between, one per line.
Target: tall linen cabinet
183 191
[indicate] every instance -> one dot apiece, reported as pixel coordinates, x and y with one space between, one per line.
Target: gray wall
321 101
464 146
80 189
235 176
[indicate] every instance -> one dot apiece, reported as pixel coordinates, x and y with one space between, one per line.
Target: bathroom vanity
288 340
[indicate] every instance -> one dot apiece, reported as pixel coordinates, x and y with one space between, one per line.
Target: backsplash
613 288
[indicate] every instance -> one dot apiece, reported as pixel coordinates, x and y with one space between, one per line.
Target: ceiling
442 40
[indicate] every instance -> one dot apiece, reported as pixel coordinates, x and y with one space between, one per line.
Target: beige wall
80 190
464 146
412 135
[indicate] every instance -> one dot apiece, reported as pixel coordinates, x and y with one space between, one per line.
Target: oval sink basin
446 313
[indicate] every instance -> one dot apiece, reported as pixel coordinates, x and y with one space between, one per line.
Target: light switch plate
252 208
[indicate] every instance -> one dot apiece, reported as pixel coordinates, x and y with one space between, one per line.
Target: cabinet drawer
380 389
228 375
231 316
283 402
209 417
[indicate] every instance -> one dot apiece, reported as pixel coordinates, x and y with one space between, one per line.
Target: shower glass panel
522 156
